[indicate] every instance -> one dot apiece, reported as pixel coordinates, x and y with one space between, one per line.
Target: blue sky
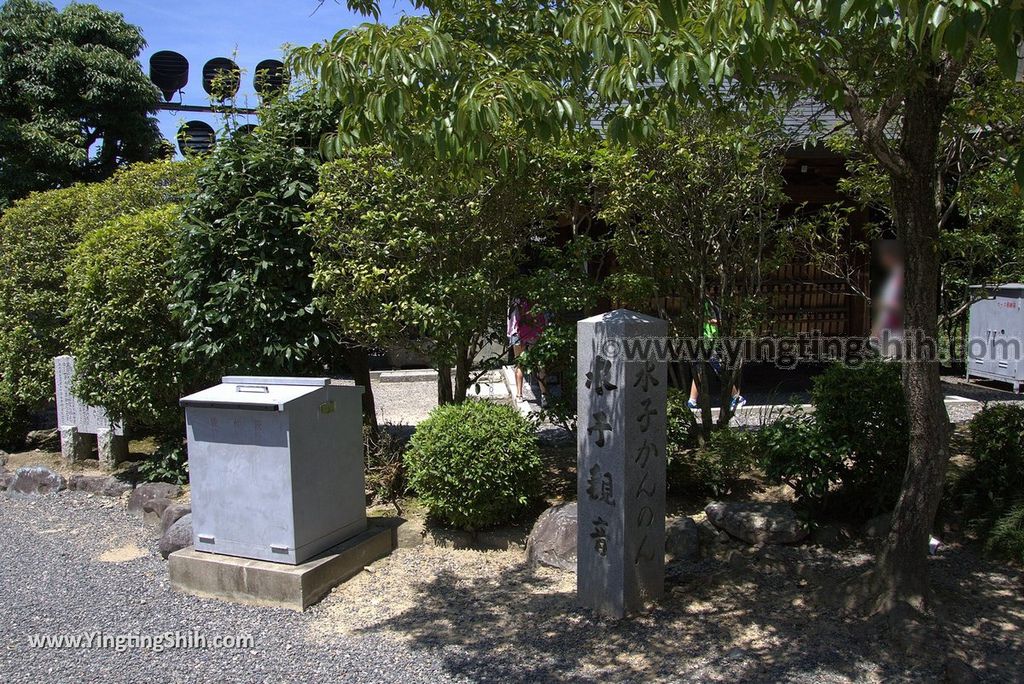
248 31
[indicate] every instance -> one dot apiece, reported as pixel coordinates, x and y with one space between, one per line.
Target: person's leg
542 380
517 351
693 390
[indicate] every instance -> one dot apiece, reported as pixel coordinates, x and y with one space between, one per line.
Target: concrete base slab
261 583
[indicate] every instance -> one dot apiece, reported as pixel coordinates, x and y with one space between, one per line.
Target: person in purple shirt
524 328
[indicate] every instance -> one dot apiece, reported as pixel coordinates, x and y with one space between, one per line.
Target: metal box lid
997 288
253 392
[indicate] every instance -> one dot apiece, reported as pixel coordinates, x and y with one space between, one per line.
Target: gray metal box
275 467
996 334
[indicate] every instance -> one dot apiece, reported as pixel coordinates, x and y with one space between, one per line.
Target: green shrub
242 267
997 448
475 464
795 451
715 466
711 467
168 464
38 236
1007 536
122 333
848 457
989 494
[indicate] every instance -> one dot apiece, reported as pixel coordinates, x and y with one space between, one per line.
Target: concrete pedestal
261 583
111 448
73 445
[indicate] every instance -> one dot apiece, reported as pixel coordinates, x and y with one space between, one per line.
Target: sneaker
738 402
691 404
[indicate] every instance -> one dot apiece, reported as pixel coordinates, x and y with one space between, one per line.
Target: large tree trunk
901 578
358 360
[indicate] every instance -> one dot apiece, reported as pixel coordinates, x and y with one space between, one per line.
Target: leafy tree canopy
74 104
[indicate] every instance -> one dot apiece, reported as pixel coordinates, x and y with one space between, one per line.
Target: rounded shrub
989 494
122 333
38 236
475 464
997 447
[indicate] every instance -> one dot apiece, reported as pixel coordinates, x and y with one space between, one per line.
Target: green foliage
997 447
168 464
38 236
989 494
795 450
120 326
698 465
848 457
1007 536
475 464
424 257
242 267
696 213
74 105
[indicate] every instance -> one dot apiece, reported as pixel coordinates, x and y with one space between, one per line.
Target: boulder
102 485
552 540
878 526
148 492
36 481
178 536
44 440
682 540
758 523
153 510
173 514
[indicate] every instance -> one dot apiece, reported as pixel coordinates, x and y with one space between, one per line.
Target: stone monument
75 419
622 396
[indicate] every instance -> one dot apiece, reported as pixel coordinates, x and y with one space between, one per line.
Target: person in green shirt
711 316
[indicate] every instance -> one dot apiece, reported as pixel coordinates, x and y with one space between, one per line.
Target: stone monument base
260 583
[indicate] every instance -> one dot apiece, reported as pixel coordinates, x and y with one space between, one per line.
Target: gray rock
682 540
44 440
178 536
758 523
830 536
36 481
5 479
149 491
877 527
153 510
3 458
552 540
103 485
173 514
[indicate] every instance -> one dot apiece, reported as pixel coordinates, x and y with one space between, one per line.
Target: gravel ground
75 564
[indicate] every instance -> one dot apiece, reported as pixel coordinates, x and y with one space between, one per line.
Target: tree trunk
463 366
444 385
358 361
900 577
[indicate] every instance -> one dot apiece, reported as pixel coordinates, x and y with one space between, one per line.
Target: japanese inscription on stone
621 463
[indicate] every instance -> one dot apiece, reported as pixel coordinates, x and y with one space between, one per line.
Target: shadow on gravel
745 616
